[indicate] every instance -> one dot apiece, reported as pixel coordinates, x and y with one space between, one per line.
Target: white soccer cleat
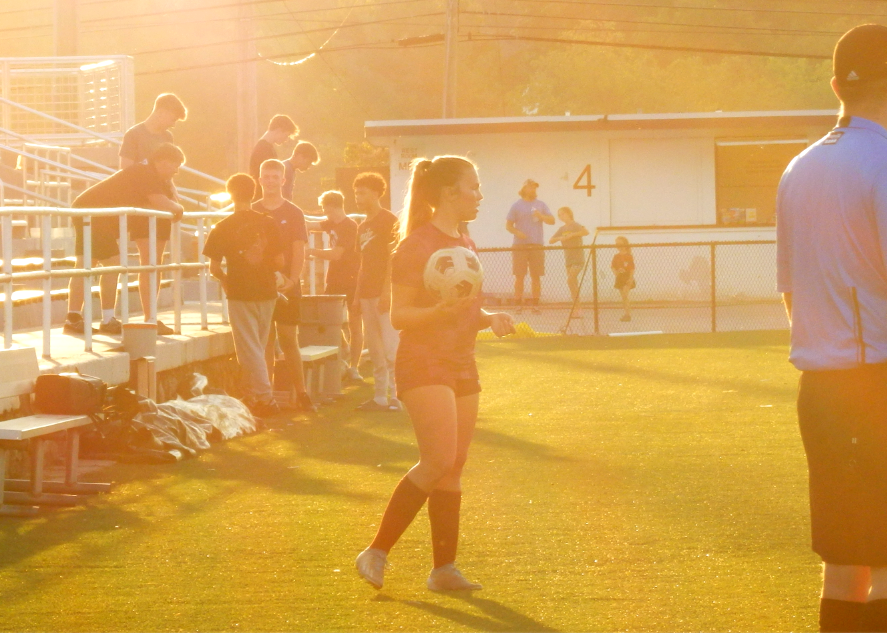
371 564
448 578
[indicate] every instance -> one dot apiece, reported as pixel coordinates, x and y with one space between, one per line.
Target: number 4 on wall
584 181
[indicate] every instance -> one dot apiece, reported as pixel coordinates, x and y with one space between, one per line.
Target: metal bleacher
62 120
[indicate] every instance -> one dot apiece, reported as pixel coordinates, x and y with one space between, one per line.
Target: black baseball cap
861 55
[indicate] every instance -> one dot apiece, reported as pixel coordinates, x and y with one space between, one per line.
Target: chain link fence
680 288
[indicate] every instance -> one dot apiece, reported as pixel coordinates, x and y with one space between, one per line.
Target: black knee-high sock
874 617
840 616
443 513
405 503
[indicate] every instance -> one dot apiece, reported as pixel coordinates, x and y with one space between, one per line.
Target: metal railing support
175 250
7 268
151 315
201 259
123 243
87 284
46 243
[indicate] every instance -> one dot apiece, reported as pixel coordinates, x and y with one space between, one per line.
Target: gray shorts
528 257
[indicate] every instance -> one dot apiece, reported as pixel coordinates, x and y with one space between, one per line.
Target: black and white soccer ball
454 273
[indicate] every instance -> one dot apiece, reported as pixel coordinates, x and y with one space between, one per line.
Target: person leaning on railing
146 186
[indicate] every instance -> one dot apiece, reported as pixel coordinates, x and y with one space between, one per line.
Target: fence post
594 297
714 311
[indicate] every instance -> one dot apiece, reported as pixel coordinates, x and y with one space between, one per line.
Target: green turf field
640 484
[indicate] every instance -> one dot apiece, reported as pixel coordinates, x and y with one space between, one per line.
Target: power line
484 38
658 47
236 5
709 31
649 22
332 70
279 35
692 8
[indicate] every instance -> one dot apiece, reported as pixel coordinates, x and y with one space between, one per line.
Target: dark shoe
75 327
111 327
372 405
265 409
163 329
303 403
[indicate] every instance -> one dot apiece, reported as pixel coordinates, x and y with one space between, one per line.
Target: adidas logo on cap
852 76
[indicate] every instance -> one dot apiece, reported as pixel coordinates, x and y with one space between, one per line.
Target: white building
652 177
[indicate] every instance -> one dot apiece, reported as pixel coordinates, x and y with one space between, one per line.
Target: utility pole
65 27
451 42
247 87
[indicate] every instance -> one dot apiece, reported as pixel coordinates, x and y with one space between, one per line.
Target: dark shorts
289 311
528 257
138 228
415 371
623 280
104 231
843 422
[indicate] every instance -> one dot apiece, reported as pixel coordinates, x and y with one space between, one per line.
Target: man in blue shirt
524 221
831 221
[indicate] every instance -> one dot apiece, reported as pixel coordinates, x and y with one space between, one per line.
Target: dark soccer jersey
341 276
452 341
291 228
139 142
375 237
622 262
248 241
128 187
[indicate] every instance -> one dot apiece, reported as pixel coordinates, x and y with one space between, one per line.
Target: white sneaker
371 564
448 578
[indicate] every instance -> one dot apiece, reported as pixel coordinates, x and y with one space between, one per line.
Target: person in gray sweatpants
247 241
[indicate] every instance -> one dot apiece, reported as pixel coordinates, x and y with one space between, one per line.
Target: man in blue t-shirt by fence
525 221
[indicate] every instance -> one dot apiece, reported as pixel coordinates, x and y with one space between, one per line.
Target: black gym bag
69 394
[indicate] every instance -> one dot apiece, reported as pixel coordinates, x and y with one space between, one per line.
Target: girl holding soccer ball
435 370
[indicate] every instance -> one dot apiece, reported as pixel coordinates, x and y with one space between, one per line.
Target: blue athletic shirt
521 213
831 236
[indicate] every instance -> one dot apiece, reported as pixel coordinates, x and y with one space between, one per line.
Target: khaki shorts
528 257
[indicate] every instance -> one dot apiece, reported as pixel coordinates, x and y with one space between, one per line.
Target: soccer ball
453 274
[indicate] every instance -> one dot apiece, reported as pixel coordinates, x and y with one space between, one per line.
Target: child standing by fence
623 267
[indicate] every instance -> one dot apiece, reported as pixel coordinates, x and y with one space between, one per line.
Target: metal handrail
45 215
103 137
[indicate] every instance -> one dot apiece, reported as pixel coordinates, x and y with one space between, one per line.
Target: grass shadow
497 616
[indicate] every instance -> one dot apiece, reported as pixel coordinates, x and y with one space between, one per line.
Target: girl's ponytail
427 179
